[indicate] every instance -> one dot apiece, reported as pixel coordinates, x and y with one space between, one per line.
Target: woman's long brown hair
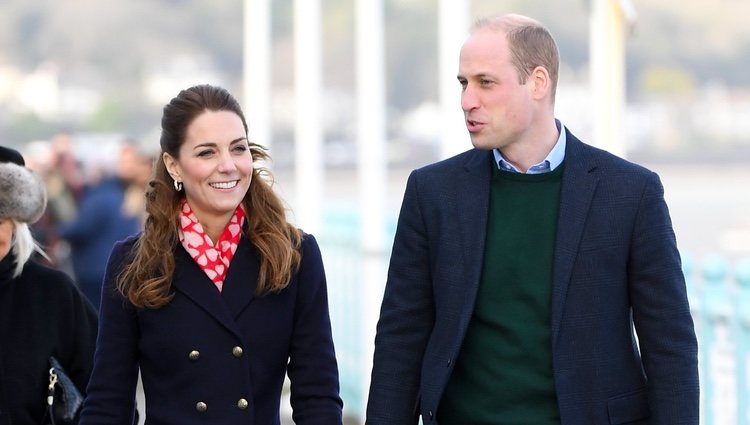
146 277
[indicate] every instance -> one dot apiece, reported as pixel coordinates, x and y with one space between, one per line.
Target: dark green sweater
503 374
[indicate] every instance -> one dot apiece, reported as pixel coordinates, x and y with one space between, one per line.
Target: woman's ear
173 168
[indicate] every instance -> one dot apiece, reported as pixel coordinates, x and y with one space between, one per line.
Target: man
521 268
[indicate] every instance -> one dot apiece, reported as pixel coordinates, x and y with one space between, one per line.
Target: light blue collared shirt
554 158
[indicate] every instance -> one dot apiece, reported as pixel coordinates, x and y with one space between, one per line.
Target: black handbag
64 400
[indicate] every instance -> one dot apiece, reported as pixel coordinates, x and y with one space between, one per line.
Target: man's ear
541 83
173 168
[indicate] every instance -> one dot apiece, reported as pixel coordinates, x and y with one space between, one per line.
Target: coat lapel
472 201
190 280
242 278
578 184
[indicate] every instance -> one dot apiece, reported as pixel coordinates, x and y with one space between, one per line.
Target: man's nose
469 99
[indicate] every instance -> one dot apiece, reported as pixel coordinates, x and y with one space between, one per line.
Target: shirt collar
554 158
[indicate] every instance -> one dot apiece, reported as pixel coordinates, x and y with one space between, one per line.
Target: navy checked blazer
616 267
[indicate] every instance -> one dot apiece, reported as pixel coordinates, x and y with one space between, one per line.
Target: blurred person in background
522 269
101 218
219 297
42 312
135 168
56 162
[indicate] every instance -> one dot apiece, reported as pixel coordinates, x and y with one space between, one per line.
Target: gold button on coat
194 355
237 351
242 404
201 406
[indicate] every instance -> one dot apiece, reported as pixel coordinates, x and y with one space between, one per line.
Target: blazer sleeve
406 319
661 313
111 391
312 369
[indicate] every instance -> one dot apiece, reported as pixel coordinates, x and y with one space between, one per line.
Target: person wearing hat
42 312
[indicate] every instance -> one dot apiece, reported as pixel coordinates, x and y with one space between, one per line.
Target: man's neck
534 147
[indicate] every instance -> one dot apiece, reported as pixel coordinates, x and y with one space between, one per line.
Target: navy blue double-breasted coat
217 358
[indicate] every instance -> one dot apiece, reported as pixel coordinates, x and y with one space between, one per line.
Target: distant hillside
675 45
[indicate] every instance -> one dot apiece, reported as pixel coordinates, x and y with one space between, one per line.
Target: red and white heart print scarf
213 259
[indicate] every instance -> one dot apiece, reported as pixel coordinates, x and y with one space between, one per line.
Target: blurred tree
109 117
26 127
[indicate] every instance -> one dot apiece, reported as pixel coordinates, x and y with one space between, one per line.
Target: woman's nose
227 163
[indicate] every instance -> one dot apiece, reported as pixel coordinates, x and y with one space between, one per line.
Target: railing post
693 287
695 299
742 275
720 380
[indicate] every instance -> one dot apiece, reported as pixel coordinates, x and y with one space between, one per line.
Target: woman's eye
205 153
240 148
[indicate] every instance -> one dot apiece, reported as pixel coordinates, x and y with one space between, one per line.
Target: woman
219 296
42 312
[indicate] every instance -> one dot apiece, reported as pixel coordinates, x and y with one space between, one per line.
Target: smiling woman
214 166
220 296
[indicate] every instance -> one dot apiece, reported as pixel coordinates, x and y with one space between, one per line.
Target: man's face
497 107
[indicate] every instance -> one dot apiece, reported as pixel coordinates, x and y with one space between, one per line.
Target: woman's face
215 165
6 235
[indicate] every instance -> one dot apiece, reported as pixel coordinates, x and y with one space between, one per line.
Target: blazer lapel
472 188
578 184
